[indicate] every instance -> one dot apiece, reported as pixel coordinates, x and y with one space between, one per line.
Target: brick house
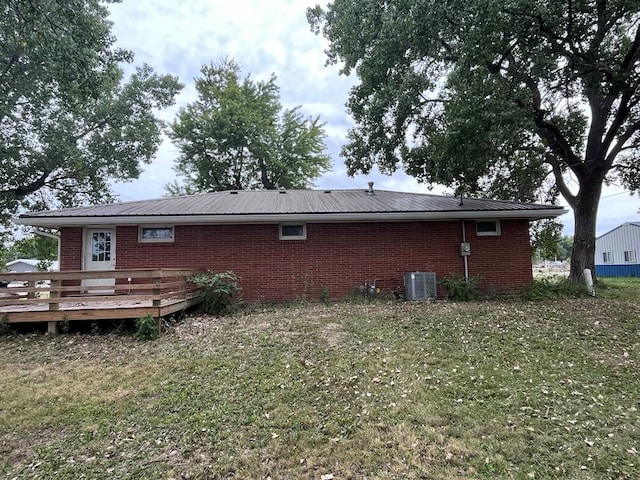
292 244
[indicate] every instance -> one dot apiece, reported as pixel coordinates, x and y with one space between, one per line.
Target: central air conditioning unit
420 286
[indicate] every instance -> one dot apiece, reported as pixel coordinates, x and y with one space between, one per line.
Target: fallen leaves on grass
485 389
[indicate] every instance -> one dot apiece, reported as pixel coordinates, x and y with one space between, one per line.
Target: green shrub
218 290
555 287
459 288
325 296
146 328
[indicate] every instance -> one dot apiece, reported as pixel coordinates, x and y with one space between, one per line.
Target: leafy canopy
35 246
69 124
494 95
237 135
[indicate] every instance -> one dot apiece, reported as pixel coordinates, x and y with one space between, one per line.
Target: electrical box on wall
465 249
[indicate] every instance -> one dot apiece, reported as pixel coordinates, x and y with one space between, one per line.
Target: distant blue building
617 252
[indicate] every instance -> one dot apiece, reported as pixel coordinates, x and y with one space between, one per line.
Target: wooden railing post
54 293
52 328
157 290
31 293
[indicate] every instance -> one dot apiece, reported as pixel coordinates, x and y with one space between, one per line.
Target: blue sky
179 36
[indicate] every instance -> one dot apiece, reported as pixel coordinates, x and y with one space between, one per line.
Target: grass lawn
498 389
627 288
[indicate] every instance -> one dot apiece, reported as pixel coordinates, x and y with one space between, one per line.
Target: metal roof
278 205
625 224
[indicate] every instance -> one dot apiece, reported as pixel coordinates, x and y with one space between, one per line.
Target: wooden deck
76 295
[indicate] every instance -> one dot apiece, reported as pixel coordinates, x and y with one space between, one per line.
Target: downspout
466 262
50 235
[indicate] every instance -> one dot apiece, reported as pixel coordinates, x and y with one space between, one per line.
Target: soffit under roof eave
56 222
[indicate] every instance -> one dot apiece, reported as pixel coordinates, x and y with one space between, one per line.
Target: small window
156 234
630 256
607 257
293 231
488 227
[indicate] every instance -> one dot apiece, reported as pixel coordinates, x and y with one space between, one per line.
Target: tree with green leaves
564 248
69 123
546 236
5 256
505 98
552 245
237 136
35 246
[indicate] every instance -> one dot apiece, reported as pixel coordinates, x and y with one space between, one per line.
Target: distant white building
617 252
23 265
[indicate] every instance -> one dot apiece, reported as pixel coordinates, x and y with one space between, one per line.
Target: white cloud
180 36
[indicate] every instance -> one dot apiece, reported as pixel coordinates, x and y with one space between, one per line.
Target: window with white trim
293 231
607 257
630 256
156 233
488 227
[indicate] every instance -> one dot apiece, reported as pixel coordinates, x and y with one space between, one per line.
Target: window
293 231
630 256
155 234
607 257
101 247
488 227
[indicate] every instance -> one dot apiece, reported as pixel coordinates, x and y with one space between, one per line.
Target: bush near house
218 290
459 288
147 328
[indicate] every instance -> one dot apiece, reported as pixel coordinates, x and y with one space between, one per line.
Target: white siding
22 265
624 238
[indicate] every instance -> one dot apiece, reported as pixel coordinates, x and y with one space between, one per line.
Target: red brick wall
71 248
337 256
503 262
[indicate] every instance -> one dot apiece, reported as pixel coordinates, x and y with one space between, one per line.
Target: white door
100 254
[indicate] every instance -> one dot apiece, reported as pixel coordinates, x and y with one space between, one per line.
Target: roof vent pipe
370 191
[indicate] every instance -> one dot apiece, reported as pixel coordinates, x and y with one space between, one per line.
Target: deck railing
53 291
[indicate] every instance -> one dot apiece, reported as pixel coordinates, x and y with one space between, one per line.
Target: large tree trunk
584 240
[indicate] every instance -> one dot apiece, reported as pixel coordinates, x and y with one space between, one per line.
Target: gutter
203 219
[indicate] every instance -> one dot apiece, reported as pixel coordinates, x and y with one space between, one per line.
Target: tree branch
620 144
94 127
548 132
12 61
451 56
570 22
633 55
432 100
264 175
24 190
508 53
625 106
571 199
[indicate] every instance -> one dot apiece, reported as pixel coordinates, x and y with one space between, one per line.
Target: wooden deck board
104 310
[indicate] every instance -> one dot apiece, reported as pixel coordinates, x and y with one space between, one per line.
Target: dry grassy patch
478 390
